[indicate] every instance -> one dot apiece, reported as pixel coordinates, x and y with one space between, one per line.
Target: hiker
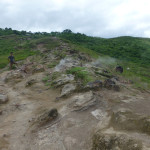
11 60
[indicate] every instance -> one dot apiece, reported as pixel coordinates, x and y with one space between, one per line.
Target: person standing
11 60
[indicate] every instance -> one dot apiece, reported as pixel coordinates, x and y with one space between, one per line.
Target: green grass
83 49
19 55
48 42
53 64
80 73
139 75
59 54
15 44
22 46
127 48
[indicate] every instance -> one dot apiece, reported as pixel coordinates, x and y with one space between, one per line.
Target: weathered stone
45 118
64 79
83 101
111 85
68 89
99 114
3 99
126 120
66 63
26 68
105 141
96 85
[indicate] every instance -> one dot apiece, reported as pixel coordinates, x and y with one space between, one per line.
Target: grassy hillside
130 52
132 49
13 43
22 46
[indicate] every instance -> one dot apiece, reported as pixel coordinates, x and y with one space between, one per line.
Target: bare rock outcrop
106 141
96 85
67 89
45 118
127 120
63 79
111 85
83 101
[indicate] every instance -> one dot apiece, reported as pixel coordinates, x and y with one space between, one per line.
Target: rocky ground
43 106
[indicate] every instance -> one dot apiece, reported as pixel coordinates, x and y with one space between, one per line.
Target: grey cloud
109 18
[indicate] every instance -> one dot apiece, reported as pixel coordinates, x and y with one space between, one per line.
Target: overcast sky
103 18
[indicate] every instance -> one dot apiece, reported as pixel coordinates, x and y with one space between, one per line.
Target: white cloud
107 18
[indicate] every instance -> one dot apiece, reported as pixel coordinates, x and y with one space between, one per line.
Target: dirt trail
72 130
22 106
26 104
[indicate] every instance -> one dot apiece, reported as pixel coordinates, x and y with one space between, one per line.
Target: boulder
96 85
111 85
45 117
83 101
110 141
68 89
3 99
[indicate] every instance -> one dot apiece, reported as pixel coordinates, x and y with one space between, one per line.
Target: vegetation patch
53 64
59 54
45 79
80 74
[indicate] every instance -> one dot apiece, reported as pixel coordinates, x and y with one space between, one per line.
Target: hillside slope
61 98
132 49
129 52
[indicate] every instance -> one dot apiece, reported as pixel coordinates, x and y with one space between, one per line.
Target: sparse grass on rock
81 74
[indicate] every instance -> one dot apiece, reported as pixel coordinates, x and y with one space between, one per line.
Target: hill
63 95
130 52
132 49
